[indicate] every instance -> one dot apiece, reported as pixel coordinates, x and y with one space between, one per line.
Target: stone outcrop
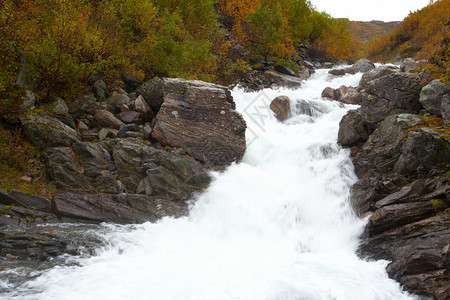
403 185
431 97
282 80
392 94
362 65
352 130
200 118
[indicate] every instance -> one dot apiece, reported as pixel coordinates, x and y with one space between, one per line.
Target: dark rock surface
282 80
404 186
392 94
431 96
200 118
352 130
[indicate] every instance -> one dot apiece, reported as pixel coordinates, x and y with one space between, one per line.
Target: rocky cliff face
123 157
401 151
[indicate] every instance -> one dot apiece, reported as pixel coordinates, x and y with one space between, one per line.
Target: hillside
366 31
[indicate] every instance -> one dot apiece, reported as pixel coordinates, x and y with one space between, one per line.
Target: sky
368 10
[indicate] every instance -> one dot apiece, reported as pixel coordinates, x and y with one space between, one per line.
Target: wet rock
284 70
282 80
281 106
352 130
348 95
432 95
363 194
362 65
200 118
329 93
44 130
337 72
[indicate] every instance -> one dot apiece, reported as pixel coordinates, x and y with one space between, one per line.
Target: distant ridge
366 31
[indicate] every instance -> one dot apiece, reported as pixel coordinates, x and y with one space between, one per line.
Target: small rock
59 107
99 89
329 93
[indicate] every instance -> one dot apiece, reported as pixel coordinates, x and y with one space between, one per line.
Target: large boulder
153 93
352 130
44 130
361 66
388 95
403 190
282 80
432 95
281 106
200 117
376 73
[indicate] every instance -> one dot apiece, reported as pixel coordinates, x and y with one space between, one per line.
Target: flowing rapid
277 225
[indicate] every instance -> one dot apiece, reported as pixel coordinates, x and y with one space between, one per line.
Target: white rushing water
275 226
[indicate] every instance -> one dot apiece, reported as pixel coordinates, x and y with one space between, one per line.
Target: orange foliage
419 36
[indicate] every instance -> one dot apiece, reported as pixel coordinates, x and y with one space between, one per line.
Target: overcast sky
368 10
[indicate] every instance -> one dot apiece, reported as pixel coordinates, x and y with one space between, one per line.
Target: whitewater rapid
277 225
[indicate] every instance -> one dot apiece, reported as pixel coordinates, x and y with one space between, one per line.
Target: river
277 225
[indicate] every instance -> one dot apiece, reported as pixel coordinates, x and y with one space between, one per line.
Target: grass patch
21 165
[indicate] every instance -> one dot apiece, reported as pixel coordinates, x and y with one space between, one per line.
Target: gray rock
329 93
107 133
376 73
106 119
129 117
28 100
284 70
337 72
44 130
352 130
100 89
143 108
153 93
200 118
408 64
391 94
116 100
362 65
432 95
58 107
282 80
281 106
445 109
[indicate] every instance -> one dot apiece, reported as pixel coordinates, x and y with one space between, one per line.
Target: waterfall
277 225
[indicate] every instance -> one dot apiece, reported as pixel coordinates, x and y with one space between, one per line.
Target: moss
167 148
434 123
131 168
438 204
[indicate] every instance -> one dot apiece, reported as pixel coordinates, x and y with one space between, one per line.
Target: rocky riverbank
120 157
401 152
